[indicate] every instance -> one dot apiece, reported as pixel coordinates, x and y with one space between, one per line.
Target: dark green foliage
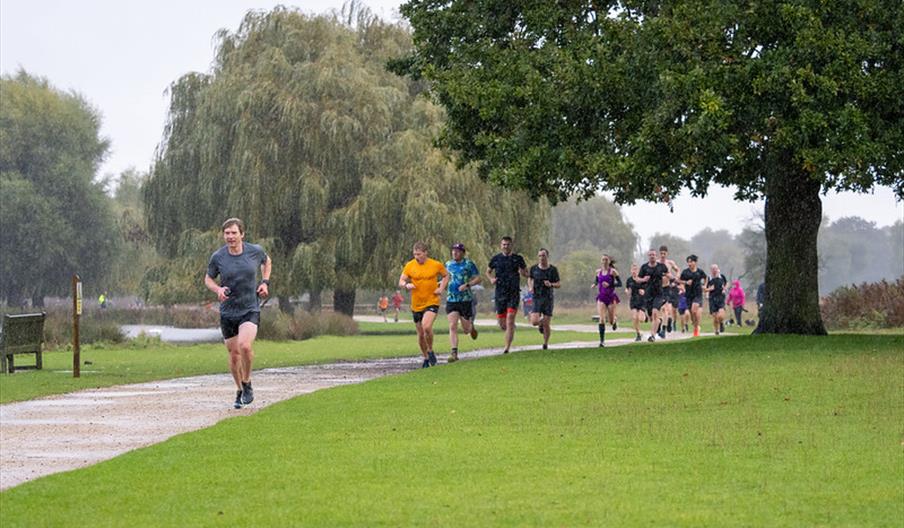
782 100
55 219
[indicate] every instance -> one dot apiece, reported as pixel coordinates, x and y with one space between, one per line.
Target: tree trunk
344 301
285 306
793 214
315 302
37 300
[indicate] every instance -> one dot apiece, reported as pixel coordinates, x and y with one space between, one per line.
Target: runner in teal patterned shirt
463 274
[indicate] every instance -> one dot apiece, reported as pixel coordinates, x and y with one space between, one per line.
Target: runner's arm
442 284
404 282
263 289
215 288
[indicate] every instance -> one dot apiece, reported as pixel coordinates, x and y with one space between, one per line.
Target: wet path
64 432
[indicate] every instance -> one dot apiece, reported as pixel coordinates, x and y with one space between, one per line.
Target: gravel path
64 432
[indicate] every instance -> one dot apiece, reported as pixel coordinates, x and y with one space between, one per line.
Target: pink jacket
736 295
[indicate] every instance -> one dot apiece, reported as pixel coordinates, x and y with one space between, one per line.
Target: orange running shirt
425 278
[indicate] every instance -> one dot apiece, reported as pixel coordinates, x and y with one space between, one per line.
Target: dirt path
64 432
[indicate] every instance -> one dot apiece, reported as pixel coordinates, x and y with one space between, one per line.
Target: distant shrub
279 326
92 329
180 316
874 305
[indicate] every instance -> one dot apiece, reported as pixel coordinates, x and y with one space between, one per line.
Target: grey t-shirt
239 274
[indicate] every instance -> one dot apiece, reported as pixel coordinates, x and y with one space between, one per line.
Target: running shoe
662 333
545 347
652 338
431 357
247 393
602 345
453 357
721 328
696 331
540 328
638 338
506 351
473 331
426 363
238 399
615 326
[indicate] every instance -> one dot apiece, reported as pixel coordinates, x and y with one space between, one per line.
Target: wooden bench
22 334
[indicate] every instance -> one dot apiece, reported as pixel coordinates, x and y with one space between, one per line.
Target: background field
742 431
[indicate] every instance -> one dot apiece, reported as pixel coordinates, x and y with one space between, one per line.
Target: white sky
122 55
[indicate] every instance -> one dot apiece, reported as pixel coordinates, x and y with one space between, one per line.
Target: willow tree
784 100
301 131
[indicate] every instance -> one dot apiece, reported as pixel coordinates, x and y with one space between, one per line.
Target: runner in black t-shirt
694 280
542 279
670 291
505 270
716 289
637 302
651 275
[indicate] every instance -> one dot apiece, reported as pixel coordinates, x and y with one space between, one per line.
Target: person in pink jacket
736 300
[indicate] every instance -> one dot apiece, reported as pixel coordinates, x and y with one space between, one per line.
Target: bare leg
247 333
509 329
547 330
421 340
235 361
427 325
612 317
453 328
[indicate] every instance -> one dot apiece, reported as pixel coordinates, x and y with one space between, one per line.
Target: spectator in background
397 304
383 305
736 299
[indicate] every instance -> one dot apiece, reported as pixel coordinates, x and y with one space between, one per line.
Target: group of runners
428 279
658 291
670 298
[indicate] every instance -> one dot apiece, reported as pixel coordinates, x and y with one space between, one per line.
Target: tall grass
867 306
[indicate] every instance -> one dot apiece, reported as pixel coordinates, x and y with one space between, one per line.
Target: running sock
455 351
602 328
668 328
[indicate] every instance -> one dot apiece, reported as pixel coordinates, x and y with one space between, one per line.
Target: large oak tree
784 100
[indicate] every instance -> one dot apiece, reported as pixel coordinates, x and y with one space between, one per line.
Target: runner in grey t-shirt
236 265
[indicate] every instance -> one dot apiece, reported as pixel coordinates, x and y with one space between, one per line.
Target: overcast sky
122 55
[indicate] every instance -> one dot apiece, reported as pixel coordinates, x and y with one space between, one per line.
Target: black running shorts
463 308
229 326
506 301
716 303
543 305
419 316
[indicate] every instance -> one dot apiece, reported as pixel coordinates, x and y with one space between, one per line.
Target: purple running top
607 293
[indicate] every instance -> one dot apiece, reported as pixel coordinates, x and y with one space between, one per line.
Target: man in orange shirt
426 279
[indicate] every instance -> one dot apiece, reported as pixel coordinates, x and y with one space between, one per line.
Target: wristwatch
266 281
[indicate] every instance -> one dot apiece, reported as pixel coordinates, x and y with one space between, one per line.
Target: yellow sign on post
78 298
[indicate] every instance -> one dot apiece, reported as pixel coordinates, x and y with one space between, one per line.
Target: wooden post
76 312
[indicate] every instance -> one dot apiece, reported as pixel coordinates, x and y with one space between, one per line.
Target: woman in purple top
606 281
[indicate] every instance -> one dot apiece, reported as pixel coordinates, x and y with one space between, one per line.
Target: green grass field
743 431
133 363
